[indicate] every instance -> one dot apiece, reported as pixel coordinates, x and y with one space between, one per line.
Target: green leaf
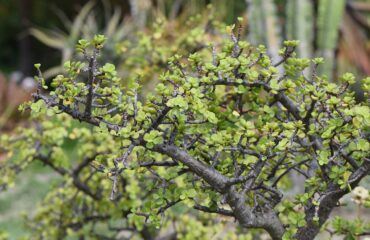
282 144
348 78
211 117
178 101
274 84
291 43
363 145
98 41
323 157
109 68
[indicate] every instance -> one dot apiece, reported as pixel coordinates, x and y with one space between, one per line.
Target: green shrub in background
134 53
218 137
318 31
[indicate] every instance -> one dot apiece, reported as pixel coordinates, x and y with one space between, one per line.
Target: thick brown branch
327 203
73 113
267 219
210 175
91 80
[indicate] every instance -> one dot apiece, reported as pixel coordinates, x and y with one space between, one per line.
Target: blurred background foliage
46 31
143 34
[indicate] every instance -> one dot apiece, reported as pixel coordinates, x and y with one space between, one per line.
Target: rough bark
327 204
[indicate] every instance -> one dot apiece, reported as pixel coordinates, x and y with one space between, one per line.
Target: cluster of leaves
220 134
147 53
352 229
143 53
